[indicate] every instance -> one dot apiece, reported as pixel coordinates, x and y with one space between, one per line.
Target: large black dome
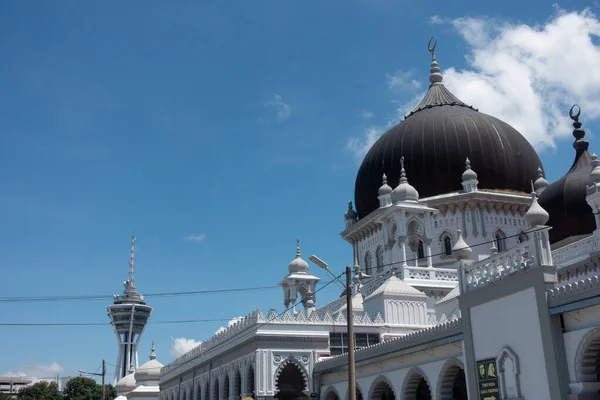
564 200
435 139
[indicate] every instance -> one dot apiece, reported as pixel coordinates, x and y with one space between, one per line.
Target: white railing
430 274
574 252
499 265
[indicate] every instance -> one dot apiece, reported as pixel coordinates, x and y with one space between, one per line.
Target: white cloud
283 110
231 322
195 238
436 20
526 75
181 345
366 114
403 80
37 370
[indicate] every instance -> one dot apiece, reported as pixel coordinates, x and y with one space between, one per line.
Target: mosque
474 278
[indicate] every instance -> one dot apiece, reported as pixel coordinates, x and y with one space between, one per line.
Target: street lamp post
349 322
103 374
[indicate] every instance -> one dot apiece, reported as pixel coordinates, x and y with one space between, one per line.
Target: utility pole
103 375
350 322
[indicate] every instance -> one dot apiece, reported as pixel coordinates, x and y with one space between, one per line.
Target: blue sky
240 124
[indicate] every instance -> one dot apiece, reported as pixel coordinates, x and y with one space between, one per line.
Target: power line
110 297
204 292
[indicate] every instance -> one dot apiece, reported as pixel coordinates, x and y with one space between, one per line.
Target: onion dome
127 383
298 265
404 192
536 215
595 174
435 138
469 174
540 183
461 249
350 215
149 373
564 200
385 189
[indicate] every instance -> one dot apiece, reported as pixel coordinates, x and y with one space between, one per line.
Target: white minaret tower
128 315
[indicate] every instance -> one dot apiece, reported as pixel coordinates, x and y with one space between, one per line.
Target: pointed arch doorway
291 383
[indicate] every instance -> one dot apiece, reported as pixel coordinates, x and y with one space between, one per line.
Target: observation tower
128 315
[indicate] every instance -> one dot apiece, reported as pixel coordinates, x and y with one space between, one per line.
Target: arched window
379 258
523 237
421 250
500 241
368 263
447 245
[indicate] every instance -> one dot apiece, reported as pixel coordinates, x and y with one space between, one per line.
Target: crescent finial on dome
435 71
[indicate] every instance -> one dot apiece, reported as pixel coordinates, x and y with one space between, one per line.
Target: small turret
461 249
404 192
469 178
385 193
536 215
350 216
540 183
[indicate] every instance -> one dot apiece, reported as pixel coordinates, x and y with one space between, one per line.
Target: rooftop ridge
574 289
405 341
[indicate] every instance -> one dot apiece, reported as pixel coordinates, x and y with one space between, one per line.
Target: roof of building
435 139
564 200
150 370
395 286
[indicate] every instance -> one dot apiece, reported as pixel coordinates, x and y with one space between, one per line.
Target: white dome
298 264
385 189
404 191
149 371
469 174
126 384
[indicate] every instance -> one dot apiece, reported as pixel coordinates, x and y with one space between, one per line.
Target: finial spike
298 248
467 163
533 193
384 179
431 47
435 72
152 352
402 171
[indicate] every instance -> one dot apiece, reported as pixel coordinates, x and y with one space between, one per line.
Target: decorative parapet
585 288
574 252
499 265
443 330
257 318
433 274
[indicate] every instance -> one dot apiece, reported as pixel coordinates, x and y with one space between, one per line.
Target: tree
4 396
42 390
82 388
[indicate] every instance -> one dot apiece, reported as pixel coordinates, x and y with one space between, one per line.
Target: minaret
299 282
128 315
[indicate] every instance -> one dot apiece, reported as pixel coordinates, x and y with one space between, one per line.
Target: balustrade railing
499 265
573 252
434 274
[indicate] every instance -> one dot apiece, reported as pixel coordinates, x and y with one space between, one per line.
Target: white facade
457 295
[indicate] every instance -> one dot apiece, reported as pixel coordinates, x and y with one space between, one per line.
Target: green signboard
487 377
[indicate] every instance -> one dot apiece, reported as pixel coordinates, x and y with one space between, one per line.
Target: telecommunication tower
129 315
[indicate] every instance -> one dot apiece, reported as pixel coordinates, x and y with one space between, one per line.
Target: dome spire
404 191
384 193
152 352
298 255
469 178
580 145
435 71
402 171
540 183
536 215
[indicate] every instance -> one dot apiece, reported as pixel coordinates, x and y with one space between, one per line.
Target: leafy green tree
42 390
4 396
82 388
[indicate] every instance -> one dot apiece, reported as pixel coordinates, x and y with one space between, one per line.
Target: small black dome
435 139
564 200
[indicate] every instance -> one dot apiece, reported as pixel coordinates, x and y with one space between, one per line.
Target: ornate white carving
500 265
570 253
